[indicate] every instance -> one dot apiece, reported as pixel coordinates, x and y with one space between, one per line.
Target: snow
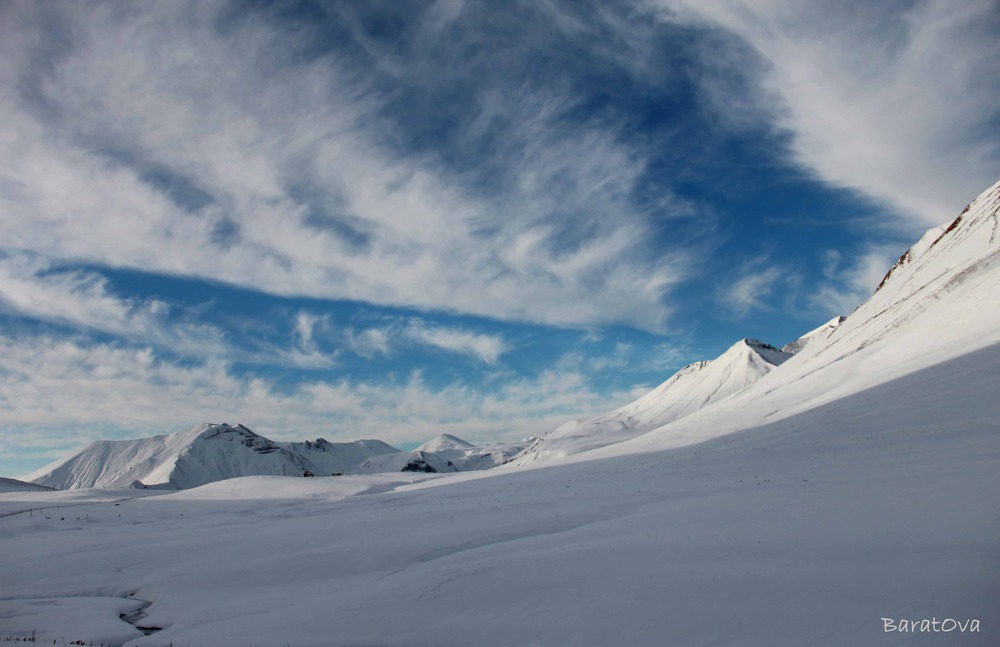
805 531
96 617
14 485
324 458
322 489
205 453
464 456
445 442
818 334
415 461
942 304
800 503
691 389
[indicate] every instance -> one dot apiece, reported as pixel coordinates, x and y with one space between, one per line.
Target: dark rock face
418 465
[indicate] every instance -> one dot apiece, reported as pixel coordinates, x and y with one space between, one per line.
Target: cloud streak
33 287
487 348
405 334
898 101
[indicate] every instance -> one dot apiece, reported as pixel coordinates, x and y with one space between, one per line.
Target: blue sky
400 219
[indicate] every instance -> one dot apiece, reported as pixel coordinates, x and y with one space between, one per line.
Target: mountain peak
202 454
442 442
691 389
750 350
979 220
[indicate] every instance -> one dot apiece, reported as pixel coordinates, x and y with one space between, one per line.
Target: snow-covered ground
14 485
849 486
806 531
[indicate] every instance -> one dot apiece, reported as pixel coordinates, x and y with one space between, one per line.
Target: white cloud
487 348
32 286
368 342
305 351
753 289
381 339
153 140
57 393
36 288
897 103
304 324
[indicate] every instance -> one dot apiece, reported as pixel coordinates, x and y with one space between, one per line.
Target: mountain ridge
691 388
204 453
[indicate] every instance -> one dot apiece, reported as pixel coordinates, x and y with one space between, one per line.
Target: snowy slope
806 531
415 461
13 485
205 453
692 388
445 442
465 456
443 454
818 334
940 301
324 458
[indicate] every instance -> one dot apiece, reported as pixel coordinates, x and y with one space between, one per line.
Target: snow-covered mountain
445 443
203 454
819 333
444 453
465 456
214 452
415 461
694 387
937 302
324 458
940 301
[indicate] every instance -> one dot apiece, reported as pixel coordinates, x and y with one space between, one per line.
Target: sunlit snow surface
807 531
856 481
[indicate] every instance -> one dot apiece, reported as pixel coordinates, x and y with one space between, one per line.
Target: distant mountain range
213 452
202 454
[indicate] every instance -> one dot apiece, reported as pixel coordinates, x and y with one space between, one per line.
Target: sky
399 219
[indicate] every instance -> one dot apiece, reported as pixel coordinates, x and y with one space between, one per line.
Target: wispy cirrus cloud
399 334
899 101
157 139
754 288
487 348
306 351
34 287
